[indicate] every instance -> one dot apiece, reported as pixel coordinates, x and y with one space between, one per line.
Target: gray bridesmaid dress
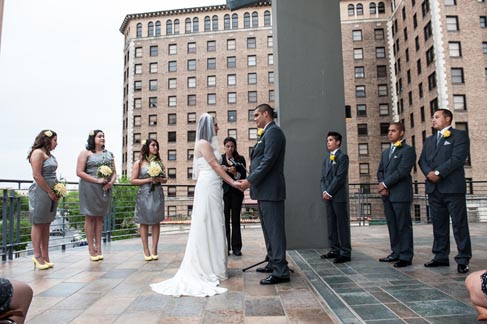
92 200
42 210
149 208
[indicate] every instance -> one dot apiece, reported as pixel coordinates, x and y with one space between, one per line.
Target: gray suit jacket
334 177
267 166
449 159
396 173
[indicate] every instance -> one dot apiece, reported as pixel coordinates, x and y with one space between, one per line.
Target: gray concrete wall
310 102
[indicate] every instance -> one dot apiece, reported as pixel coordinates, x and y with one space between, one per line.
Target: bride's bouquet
155 170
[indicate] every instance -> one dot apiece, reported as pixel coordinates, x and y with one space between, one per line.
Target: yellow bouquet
104 171
155 170
59 189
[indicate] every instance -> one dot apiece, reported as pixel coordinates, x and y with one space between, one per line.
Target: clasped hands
431 176
241 185
382 190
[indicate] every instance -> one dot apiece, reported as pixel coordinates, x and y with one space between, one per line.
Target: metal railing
67 230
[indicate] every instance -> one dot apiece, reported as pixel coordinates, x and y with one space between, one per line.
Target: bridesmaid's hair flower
92 133
144 142
48 133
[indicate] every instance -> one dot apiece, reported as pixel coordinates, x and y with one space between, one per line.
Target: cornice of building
181 11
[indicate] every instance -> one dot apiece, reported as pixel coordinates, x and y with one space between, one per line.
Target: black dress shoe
272 280
434 264
462 268
389 258
264 270
341 259
237 253
402 264
329 255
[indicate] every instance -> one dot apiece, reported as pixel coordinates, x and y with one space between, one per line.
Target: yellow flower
143 142
446 133
104 171
60 189
48 133
332 157
260 132
92 133
154 169
397 144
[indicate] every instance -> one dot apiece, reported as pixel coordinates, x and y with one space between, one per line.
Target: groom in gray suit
442 162
396 188
268 187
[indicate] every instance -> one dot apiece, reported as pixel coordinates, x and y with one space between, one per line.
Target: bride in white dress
205 259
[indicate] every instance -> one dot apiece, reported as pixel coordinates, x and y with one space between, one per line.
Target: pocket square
446 143
395 156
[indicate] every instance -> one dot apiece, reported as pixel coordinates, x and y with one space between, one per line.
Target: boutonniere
397 144
332 157
446 134
260 132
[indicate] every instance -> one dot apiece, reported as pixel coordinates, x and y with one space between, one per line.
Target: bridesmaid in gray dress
42 199
149 209
95 189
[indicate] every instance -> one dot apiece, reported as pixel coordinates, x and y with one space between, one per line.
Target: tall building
402 60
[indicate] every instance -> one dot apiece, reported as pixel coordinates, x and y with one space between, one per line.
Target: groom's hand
244 184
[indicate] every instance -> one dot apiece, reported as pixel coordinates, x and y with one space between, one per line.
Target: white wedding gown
205 259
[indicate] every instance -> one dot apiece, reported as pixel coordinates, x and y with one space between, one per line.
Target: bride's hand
238 185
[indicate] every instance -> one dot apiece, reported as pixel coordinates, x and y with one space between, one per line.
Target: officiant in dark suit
396 188
334 189
235 166
442 161
268 187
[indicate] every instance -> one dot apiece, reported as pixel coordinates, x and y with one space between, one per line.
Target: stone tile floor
364 290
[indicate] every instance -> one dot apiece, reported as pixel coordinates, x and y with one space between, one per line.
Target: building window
211 63
138 52
381 7
270 77
483 21
427 31
172 66
172 49
226 22
251 60
171 173
137 121
231 79
452 23
422 114
153 135
211 46
360 91
191 48
211 99
459 102
152 85
171 119
153 50
152 120
358 53
363 149
364 169
176 26
231 62
457 75
232 133
425 7
191 192
235 21
255 19
214 22
430 56
137 85
252 96
171 156
380 52
189 175
379 33
169 27
357 35
191 118
192 82
360 9
450 2
231 44
362 130
153 68
207 24
384 129
192 100
232 97
455 49
271 96
138 68
267 18
420 90
171 137
382 90
251 42
191 136
232 116
270 59
252 78
361 111
171 101
351 10
252 133
359 72
137 103
416 43
191 65
432 81
270 41
381 71
484 47
384 109
172 83
187 25
246 20
373 8
211 81
418 66
137 137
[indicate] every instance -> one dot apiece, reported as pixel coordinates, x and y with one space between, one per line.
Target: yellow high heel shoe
38 265
94 258
100 257
154 257
50 264
147 258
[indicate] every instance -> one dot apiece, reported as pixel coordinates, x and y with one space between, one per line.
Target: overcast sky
61 67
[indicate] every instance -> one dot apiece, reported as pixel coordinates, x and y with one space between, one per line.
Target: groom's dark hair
337 136
269 109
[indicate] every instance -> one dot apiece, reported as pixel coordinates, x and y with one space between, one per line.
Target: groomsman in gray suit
442 162
334 190
396 189
268 187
